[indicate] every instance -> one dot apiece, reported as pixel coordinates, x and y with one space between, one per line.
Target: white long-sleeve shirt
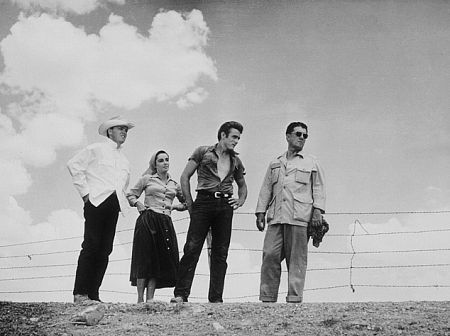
99 170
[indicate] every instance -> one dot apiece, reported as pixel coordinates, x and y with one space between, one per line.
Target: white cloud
60 223
14 177
193 97
62 84
17 227
60 77
41 136
75 6
118 66
13 219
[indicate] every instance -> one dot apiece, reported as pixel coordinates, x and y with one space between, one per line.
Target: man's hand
316 219
86 198
235 203
260 221
178 207
189 205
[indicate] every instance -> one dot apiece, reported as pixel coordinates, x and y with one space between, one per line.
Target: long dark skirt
155 250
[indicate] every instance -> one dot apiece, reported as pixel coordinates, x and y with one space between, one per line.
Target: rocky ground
255 319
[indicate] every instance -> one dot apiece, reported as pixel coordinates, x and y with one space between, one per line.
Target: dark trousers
99 230
217 214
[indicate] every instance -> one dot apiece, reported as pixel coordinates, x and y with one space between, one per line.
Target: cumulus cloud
118 66
62 75
13 219
193 97
22 261
74 6
59 78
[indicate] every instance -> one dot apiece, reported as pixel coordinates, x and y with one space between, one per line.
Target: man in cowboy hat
100 173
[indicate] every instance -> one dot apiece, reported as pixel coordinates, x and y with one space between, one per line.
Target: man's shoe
80 298
95 298
178 299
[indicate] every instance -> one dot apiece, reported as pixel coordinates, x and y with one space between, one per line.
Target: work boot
80 298
178 299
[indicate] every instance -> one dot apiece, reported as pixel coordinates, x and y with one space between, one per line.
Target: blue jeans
217 214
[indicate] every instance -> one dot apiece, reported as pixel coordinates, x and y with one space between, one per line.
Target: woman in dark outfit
154 260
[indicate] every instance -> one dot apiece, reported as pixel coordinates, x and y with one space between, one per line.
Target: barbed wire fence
23 285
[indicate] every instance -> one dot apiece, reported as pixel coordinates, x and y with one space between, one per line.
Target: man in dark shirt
217 167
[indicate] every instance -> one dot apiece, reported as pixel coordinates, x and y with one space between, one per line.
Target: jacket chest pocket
303 205
275 172
302 176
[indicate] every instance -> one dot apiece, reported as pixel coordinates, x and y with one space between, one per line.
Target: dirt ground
254 319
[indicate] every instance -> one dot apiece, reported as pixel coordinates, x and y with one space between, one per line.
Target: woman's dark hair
152 164
160 152
229 125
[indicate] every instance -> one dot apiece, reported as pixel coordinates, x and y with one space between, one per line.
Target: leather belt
215 194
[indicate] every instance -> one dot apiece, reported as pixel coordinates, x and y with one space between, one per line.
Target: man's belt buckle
219 194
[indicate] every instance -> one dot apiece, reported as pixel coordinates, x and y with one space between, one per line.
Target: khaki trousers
290 242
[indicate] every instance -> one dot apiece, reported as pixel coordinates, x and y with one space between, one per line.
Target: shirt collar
284 156
113 144
300 154
169 177
233 153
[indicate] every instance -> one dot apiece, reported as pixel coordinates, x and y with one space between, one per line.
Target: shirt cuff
321 210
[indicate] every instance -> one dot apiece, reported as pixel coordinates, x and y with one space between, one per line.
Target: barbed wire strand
247 230
350 268
31 255
405 212
244 273
251 230
237 297
352 257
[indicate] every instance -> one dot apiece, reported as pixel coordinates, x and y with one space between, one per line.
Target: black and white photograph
214 167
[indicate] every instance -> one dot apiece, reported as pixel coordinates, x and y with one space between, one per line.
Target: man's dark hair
227 126
295 124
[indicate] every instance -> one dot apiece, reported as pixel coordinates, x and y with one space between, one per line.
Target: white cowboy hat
115 121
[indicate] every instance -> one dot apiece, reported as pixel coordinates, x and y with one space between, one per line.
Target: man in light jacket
292 196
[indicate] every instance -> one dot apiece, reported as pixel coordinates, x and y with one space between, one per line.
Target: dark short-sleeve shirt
207 175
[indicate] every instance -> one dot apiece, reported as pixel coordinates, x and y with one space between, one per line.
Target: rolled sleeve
197 155
135 192
239 172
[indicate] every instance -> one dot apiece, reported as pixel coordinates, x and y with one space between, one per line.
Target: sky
369 78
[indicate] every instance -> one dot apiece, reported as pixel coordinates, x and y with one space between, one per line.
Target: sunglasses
301 134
